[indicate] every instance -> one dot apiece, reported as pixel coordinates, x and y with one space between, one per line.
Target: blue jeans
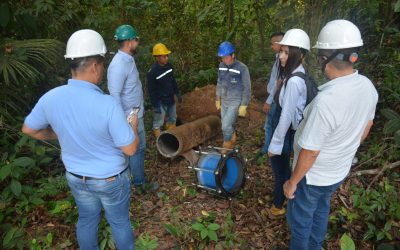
307 215
281 163
136 161
268 128
114 197
158 118
229 113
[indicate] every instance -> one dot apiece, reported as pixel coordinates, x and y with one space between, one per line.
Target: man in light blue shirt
125 86
94 136
270 106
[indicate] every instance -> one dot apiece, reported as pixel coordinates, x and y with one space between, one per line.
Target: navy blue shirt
90 126
161 85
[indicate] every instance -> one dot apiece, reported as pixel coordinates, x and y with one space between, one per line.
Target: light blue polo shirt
91 127
124 84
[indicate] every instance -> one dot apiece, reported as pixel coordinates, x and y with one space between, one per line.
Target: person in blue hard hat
125 86
233 92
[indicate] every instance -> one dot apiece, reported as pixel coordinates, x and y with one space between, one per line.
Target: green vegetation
32 44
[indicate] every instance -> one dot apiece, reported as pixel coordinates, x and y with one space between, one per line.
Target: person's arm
289 102
316 129
218 91
115 81
131 148
271 86
366 130
245 74
36 124
123 133
152 88
218 88
41 134
176 90
304 163
268 102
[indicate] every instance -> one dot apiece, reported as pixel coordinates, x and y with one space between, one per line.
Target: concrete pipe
180 140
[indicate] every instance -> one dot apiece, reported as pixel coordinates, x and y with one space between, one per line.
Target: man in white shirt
334 125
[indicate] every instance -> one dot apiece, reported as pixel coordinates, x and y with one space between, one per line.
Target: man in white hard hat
95 138
334 125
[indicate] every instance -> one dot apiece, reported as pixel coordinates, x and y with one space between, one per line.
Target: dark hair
279 33
121 43
82 62
295 58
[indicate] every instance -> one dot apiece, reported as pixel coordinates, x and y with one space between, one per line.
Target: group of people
97 132
102 137
323 132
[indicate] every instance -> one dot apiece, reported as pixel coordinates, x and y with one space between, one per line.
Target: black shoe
146 188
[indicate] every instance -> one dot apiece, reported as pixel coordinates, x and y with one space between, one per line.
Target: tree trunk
260 27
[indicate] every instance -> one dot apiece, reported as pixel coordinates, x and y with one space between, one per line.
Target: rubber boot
156 132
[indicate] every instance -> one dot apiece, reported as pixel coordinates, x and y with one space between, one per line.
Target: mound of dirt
201 102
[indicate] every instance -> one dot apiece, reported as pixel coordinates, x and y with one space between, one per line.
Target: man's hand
266 107
133 121
288 189
270 154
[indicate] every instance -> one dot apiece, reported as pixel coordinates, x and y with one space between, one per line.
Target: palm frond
21 61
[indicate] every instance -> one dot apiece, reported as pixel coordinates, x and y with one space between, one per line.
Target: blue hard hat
225 49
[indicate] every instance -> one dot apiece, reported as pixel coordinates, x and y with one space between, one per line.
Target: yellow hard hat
160 49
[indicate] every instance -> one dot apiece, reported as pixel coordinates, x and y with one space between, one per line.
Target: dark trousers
281 163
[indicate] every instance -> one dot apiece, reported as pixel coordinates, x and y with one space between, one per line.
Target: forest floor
179 204
169 213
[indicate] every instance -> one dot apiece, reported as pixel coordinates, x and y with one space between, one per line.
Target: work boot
146 188
228 144
277 211
234 139
156 132
170 126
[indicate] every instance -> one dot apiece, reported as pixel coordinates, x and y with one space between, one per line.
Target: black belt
94 178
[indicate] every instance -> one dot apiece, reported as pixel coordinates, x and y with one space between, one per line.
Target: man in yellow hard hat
162 89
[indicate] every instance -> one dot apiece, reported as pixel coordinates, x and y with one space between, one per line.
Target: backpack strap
299 74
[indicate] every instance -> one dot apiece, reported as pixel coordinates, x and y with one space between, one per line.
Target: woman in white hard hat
290 97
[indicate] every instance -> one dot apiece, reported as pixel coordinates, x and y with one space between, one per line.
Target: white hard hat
296 38
85 43
339 34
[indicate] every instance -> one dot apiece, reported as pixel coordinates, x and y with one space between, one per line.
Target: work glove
218 104
179 97
242 110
